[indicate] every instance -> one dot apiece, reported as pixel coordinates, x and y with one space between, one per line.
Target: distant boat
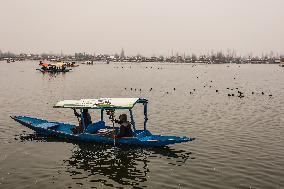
281 62
71 64
99 131
89 62
53 68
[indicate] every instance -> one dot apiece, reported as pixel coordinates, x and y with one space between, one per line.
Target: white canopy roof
101 103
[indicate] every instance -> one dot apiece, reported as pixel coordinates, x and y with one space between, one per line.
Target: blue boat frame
90 134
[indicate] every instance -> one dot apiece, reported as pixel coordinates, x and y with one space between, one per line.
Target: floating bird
262 93
252 92
216 91
131 89
124 88
233 94
151 89
193 89
229 94
270 95
174 89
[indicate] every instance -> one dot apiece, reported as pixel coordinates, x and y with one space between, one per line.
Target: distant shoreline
173 63
214 58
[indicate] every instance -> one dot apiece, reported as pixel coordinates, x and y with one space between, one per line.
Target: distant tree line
7 54
211 58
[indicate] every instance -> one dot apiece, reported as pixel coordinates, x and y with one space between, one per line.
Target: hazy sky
148 27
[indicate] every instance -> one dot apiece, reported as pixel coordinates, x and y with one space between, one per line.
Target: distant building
122 54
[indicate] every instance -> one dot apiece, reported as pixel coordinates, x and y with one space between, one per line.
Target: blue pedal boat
99 131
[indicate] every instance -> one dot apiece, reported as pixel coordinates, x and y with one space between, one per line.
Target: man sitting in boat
125 127
87 120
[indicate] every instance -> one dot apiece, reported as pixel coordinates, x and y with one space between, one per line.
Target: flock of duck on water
239 93
230 91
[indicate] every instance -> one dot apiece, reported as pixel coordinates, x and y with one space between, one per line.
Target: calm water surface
239 141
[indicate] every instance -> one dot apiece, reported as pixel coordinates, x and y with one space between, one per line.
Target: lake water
239 141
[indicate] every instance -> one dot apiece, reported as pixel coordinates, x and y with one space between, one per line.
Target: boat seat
48 125
93 128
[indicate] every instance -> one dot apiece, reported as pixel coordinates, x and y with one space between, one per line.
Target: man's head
123 117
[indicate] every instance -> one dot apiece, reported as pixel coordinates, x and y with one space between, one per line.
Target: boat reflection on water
105 163
53 74
113 166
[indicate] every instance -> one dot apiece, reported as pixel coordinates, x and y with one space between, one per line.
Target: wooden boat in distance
99 131
53 68
71 64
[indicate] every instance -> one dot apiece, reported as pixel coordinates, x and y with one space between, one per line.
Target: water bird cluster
150 67
239 94
230 92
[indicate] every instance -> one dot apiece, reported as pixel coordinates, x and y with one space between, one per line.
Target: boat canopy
44 65
59 64
101 103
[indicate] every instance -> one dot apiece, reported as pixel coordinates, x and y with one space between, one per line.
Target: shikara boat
99 131
53 68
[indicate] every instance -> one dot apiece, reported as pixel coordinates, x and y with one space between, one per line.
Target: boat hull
53 71
63 130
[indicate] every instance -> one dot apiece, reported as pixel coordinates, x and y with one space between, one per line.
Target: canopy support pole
113 129
145 115
132 120
102 114
82 120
